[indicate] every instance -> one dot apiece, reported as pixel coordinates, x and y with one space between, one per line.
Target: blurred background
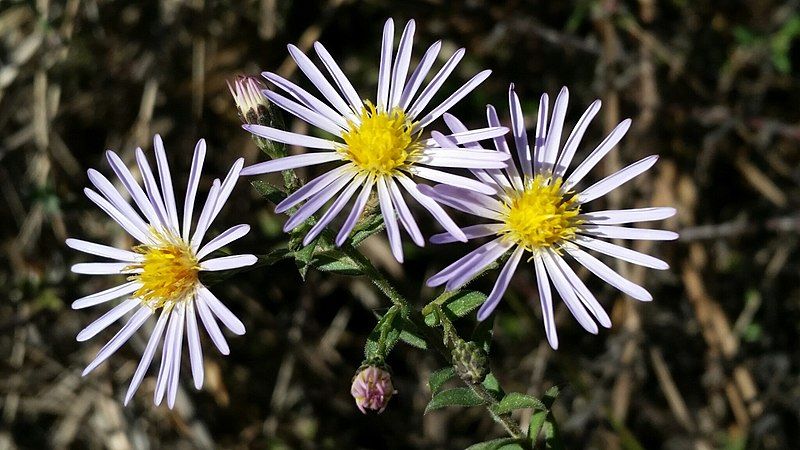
712 87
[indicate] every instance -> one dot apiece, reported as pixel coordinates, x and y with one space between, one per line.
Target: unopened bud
470 361
372 388
252 105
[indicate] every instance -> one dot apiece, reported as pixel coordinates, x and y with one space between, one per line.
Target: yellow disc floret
168 271
380 143
542 215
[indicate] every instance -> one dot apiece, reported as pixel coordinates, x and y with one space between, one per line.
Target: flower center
381 143
541 216
169 271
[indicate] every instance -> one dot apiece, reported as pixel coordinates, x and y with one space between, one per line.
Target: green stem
432 336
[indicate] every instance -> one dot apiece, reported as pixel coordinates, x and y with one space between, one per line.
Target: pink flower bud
250 102
372 389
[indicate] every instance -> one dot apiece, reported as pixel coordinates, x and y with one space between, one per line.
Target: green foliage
544 418
516 400
368 226
439 378
455 304
269 191
499 444
460 396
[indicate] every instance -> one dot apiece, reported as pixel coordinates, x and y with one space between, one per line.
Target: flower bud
372 388
470 361
251 104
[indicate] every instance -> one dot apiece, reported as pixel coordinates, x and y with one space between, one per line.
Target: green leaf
464 302
498 444
493 386
552 435
410 334
303 258
269 191
454 397
516 400
539 417
482 335
369 226
338 263
385 335
439 378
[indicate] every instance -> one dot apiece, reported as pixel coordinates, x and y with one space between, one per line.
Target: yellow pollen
382 142
541 216
169 271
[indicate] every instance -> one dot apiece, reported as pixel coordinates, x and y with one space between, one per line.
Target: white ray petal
147 357
151 187
345 87
211 326
226 188
306 99
205 214
453 200
471 232
355 213
318 79
334 210
567 293
436 83
225 238
221 311
228 262
401 64
584 294
113 196
574 139
312 187
166 180
291 162
462 264
103 250
102 268
609 275
165 369
195 349
451 179
470 271
454 98
390 219
119 217
502 146
500 285
107 319
541 133
106 295
546 300
198 158
290 138
122 336
304 113
436 211
597 154
620 216
384 72
175 368
553 141
616 179
614 232
316 202
622 253
520 134
133 188
419 74
404 214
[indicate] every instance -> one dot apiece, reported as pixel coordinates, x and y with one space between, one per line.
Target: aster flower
537 211
379 143
162 269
